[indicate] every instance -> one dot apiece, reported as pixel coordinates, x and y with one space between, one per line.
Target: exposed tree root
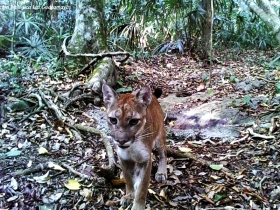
38 110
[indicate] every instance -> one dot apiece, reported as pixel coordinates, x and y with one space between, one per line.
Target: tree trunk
267 13
90 37
90 29
207 5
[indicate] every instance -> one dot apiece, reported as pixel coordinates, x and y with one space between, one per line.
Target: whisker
146 134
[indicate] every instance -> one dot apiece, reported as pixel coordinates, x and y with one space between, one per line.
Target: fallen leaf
152 192
13 153
216 167
42 151
86 193
52 198
42 179
55 166
185 149
14 183
72 184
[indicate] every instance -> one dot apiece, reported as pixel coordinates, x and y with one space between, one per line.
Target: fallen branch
256 135
87 129
38 110
240 140
83 176
52 106
38 168
78 98
99 55
107 172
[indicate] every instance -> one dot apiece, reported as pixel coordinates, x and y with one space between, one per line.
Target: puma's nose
121 141
120 137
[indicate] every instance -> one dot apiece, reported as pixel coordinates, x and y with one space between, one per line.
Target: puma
136 122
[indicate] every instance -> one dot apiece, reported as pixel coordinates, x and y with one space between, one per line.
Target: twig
87 129
99 55
107 172
38 168
75 86
83 176
256 135
78 98
52 106
38 110
240 140
273 124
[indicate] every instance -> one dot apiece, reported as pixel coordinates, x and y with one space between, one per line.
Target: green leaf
247 99
220 196
216 167
13 153
278 87
124 89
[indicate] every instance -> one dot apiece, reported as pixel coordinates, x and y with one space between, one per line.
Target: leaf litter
45 166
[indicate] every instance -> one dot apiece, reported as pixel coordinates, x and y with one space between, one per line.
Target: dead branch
240 140
107 172
38 168
274 124
78 98
52 106
83 176
256 135
87 129
38 110
75 86
99 55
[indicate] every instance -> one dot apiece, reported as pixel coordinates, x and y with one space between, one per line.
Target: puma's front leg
141 184
161 175
128 171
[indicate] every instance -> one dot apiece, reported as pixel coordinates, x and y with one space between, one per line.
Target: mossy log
106 71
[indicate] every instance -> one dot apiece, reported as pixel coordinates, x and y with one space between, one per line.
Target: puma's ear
109 95
144 96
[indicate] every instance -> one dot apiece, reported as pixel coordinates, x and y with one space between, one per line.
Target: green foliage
35 46
236 26
27 24
233 79
278 88
247 100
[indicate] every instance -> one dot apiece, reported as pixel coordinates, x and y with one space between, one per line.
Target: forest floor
45 165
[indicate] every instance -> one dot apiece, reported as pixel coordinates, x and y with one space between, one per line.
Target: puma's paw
126 200
161 177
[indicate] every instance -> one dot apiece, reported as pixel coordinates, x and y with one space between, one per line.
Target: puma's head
126 114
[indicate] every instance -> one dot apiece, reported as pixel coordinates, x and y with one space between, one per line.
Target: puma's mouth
123 146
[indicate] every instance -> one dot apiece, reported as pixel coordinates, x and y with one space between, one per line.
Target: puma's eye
113 120
133 121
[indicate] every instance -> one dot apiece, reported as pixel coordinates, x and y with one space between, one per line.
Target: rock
249 84
214 119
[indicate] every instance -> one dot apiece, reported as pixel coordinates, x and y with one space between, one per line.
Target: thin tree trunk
207 5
